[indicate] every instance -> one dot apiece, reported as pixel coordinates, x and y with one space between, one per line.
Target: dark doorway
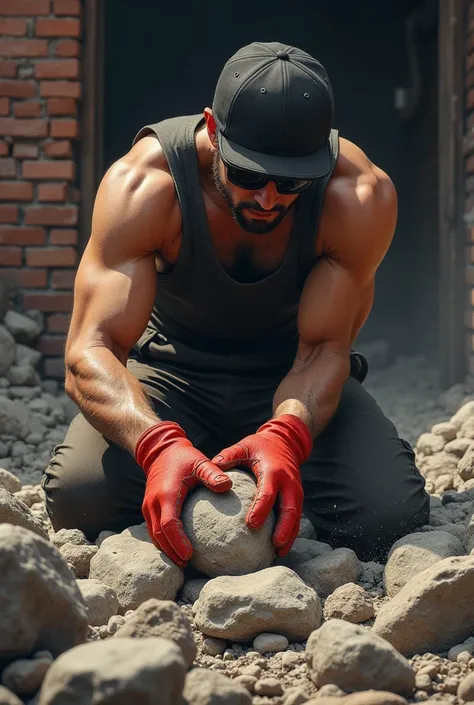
162 61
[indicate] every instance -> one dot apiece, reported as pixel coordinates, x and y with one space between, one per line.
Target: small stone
9 481
373 697
213 646
205 687
270 643
8 698
429 444
100 600
252 670
103 631
304 550
69 536
295 696
447 430
307 530
330 570
25 676
349 602
268 687
423 682
79 557
13 511
455 651
466 688
247 682
192 589
114 623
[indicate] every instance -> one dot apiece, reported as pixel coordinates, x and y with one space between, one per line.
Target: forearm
109 396
312 389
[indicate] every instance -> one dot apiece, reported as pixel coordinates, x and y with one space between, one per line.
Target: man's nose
268 196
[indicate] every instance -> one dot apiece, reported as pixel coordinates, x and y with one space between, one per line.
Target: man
230 268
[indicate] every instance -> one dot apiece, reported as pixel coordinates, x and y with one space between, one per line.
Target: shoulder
360 208
138 193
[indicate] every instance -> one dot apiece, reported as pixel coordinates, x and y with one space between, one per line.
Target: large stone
22 328
463 414
354 658
9 481
215 524
414 553
7 350
42 607
100 601
136 570
115 672
350 602
205 687
14 511
161 618
466 465
330 570
307 530
304 550
434 611
272 600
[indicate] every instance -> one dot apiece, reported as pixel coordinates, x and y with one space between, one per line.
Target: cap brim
310 166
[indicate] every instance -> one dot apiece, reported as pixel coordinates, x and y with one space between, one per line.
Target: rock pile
117 622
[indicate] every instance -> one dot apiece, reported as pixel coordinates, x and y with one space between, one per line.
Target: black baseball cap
274 110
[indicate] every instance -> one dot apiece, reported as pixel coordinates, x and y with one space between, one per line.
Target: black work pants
362 488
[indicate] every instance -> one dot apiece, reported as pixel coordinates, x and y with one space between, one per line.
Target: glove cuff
294 432
156 439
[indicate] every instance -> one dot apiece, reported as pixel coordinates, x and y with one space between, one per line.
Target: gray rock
22 328
434 611
14 511
213 646
42 607
330 570
192 589
17 420
414 553
354 658
22 376
8 698
25 676
349 602
68 536
161 618
372 574
136 570
9 481
205 687
7 350
116 671
242 607
304 550
221 540
469 533
79 557
307 530
27 356
100 601
270 643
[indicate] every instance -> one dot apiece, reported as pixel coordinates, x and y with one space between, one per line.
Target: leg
362 488
93 484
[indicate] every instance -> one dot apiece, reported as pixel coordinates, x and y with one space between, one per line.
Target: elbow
72 363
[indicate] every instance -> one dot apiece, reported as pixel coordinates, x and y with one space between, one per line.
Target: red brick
59 236
23 48
66 7
8 214
13 27
8 69
26 8
58 28
75 195
67 47
61 106
4 148
52 344
25 150
49 170
27 108
51 215
470 99
16 191
58 323
52 192
60 148
51 257
22 235
63 279
29 278
10 256
54 367
18 127
49 301
4 106
59 68
469 165
60 89
64 128
7 168
17 88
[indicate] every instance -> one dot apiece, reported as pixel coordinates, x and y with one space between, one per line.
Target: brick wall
40 89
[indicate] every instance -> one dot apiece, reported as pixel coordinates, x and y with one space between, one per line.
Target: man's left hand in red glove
274 454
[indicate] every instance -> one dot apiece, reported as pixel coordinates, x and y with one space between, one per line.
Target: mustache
253 205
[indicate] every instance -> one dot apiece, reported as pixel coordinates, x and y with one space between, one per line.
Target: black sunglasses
250 181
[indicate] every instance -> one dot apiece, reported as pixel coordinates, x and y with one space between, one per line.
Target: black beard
257 227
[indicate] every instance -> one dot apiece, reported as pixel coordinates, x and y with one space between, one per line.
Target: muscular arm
114 292
358 225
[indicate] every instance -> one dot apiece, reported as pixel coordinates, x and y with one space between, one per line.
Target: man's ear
211 126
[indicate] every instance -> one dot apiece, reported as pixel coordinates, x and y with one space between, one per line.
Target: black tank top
197 302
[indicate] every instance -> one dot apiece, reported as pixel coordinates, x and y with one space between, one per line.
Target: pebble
213 646
268 686
252 670
247 681
270 643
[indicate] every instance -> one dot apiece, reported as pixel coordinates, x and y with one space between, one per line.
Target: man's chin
256 225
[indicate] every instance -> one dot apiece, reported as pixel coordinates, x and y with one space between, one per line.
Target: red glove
173 466
274 454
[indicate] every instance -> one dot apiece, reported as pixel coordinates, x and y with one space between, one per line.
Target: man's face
257 212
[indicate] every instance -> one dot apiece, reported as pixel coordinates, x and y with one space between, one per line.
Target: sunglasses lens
246 179
292 186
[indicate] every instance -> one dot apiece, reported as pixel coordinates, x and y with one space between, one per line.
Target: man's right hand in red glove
173 466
